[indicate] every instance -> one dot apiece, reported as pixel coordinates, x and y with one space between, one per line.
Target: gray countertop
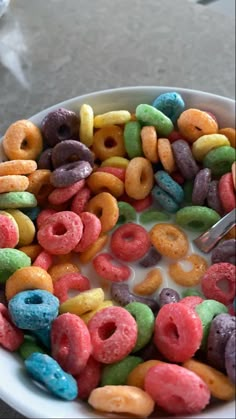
51 50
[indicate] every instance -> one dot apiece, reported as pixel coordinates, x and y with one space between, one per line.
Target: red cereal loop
178 177
226 192
10 336
191 301
91 231
43 216
70 281
130 242
106 268
89 378
80 200
174 136
113 332
62 195
60 233
178 332
44 260
215 276
116 171
9 232
70 343
179 391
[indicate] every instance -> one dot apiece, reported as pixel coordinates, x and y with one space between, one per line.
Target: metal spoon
211 237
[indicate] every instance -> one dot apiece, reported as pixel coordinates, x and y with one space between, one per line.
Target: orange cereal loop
108 142
32 250
230 133
39 185
13 183
194 123
23 140
150 284
29 278
149 143
169 240
231 234
133 117
166 154
17 167
139 178
60 269
136 377
105 182
93 249
105 207
192 277
64 258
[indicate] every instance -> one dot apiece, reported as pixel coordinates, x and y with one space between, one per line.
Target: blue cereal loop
34 309
168 185
47 371
164 200
44 336
171 104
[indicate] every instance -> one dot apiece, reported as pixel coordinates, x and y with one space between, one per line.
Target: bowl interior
16 388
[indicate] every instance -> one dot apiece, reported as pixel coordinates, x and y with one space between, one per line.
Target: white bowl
16 388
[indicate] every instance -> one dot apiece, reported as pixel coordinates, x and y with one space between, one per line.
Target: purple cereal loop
70 173
121 294
201 186
230 355
213 200
70 151
45 160
60 125
167 296
151 258
184 159
224 252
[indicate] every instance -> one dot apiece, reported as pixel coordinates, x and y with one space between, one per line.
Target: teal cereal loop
145 320
171 104
17 200
188 191
28 347
132 139
10 261
165 181
196 218
153 216
127 213
32 213
117 373
220 160
192 292
148 115
164 200
207 310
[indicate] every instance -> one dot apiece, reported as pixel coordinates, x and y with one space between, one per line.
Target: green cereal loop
117 373
132 139
196 218
188 191
17 200
207 310
145 320
220 160
10 261
28 347
126 212
153 216
149 115
192 292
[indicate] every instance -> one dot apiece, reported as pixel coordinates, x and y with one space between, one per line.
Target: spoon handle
211 237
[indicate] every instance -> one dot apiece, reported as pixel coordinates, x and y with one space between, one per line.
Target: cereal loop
61 269
188 278
86 125
105 182
230 133
105 207
169 240
150 283
110 118
13 183
39 185
17 167
88 316
207 143
93 249
139 178
149 143
108 142
137 376
23 140
32 250
119 162
25 225
83 302
166 154
194 123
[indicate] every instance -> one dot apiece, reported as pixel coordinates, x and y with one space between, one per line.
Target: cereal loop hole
107 330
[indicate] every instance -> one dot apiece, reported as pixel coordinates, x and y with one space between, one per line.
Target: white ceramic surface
16 388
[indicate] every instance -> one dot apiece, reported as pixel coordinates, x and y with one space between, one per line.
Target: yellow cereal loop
93 249
25 225
32 251
13 183
110 118
83 302
86 125
87 316
116 161
60 269
29 278
206 143
219 384
192 277
150 283
137 376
